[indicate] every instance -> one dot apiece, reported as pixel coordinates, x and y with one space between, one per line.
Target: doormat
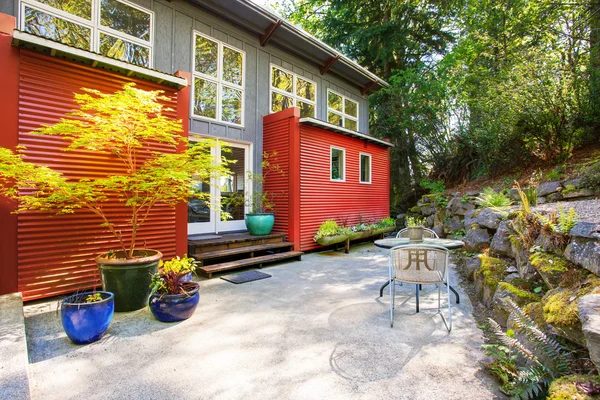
244 277
204 237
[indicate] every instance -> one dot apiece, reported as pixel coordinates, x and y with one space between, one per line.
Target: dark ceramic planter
129 279
86 322
175 307
259 224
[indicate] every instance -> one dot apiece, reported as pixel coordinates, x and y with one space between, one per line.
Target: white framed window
219 79
292 90
114 28
365 167
342 111
337 161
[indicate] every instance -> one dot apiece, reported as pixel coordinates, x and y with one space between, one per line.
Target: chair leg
392 299
417 292
449 307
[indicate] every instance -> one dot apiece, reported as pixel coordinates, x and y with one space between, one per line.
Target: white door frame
215 225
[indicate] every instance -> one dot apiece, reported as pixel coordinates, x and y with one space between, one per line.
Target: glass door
205 219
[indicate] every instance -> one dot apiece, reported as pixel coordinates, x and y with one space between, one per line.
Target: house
226 64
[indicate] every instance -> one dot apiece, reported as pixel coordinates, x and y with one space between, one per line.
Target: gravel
588 210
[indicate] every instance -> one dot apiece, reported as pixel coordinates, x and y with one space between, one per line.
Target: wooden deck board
241 250
210 269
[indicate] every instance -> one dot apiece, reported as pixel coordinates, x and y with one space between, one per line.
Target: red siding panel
56 253
311 196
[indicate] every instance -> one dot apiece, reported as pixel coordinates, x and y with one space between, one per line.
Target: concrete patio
315 330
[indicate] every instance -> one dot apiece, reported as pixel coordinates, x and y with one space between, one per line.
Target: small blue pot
186 278
86 322
175 307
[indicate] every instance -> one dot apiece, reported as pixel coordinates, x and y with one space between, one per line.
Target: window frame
343 112
218 80
94 25
293 95
343 150
360 156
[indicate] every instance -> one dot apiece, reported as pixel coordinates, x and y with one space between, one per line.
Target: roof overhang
56 49
273 29
344 131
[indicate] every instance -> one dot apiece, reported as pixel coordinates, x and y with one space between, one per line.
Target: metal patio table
450 244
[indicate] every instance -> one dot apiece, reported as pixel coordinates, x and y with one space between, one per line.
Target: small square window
338 164
365 168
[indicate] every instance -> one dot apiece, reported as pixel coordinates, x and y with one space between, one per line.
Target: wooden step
232 241
242 250
211 269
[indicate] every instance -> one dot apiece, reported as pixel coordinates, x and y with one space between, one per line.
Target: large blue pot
175 307
259 223
86 322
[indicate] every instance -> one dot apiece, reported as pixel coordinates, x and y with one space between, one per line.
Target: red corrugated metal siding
56 254
276 138
349 201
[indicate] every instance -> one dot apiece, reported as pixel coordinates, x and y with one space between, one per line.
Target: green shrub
327 228
433 186
490 198
389 221
556 174
415 221
591 177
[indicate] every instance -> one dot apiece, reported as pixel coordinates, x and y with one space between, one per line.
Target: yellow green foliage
549 263
560 305
523 295
492 269
565 388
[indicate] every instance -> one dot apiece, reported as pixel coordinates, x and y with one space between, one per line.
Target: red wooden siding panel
276 137
56 253
349 201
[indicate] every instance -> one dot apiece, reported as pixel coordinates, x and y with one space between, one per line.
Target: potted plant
183 267
415 228
331 233
172 298
86 316
119 125
261 219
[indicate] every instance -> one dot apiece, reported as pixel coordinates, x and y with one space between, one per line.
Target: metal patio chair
420 264
427 233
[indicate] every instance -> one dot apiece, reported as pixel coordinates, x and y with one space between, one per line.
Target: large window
290 90
342 111
365 168
219 72
114 28
338 164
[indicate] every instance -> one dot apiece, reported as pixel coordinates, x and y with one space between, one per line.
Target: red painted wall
44 255
312 197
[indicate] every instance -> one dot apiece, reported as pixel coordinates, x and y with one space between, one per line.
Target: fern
490 198
567 220
524 198
533 381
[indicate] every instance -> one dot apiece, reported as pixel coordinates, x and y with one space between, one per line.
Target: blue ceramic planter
86 322
175 307
186 278
259 223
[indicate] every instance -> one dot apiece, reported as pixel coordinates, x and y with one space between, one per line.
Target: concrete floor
315 330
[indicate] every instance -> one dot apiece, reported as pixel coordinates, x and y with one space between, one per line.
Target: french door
205 219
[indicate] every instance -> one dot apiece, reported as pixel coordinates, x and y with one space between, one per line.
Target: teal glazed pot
260 224
129 279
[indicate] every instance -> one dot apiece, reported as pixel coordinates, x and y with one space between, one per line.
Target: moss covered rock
560 305
550 267
488 276
415 210
574 387
507 290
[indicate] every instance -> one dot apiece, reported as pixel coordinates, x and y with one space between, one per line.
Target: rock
501 240
457 207
427 210
513 193
453 202
546 188
572 387
544 241
526 270
512 270
476 240
577 193
554 197
415 210
472 193
470 219
541 200
550 267
488 276
585 253
590 230
455 224
439 230
576 183
430 221
471 266
400 216
589 315
489 218
511 276
507 290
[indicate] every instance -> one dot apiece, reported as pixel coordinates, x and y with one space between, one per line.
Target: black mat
244 277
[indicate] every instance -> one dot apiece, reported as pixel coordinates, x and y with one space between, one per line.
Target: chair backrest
419 257
427 233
